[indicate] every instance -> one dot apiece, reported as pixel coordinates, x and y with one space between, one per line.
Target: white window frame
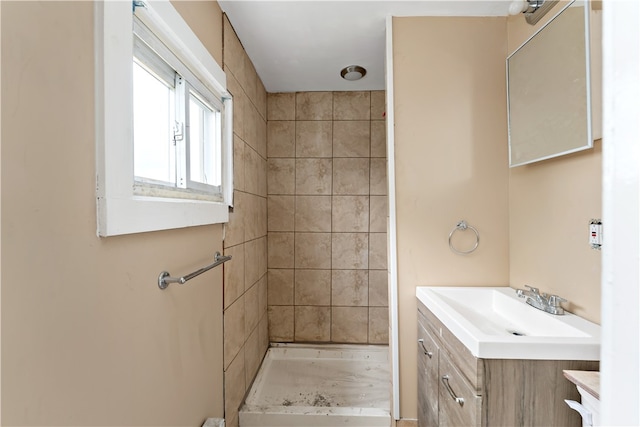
119 209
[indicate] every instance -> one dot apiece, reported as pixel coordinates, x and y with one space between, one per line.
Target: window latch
178 132
137 3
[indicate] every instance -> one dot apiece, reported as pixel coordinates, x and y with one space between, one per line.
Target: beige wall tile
233 274
252 357
379 176
349 324
378 107
351 105
313 250
313 138
255 252
234 336
312 287
350 214
251 125
281 323
233 422
281 138
379 138
281 106
234 386
280 211
261 98
234 229
251 309
262 223
351 176
262 296
264 333
280 285
312 323
313 176
378 325
252 217
329 232
378 288
281 178
261 135
378 213
252 170
280 252
314 105
249 79
351 138
350 251
239 101
262 180
378 251
238 163
233 53
349 288
313 213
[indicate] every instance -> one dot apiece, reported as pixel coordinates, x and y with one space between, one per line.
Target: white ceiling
302 45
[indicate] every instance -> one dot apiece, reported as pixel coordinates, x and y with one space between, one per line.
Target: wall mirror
548 89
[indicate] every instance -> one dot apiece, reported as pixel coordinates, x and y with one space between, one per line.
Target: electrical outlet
595 234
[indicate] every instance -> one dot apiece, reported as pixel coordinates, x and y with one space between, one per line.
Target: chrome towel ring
462 225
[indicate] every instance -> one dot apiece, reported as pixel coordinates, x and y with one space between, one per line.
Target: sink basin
493 323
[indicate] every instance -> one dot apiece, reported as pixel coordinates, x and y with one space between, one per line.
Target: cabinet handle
445 381
424 349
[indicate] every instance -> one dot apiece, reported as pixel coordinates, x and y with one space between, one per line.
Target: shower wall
327 217
246 337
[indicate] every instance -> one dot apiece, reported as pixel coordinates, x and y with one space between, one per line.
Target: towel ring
462 225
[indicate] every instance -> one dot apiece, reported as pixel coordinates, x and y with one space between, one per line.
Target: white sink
493 323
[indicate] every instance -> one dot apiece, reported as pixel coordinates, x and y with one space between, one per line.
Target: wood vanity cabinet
455 388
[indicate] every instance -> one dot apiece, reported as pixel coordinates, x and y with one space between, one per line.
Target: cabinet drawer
427 379
459 404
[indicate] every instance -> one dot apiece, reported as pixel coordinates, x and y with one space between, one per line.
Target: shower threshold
320 385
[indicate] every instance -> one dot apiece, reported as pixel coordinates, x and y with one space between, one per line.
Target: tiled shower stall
327 217
308 228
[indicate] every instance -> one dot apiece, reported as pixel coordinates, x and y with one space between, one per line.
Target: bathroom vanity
462 382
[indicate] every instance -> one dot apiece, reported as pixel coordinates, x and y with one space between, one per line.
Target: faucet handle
532 289
555 300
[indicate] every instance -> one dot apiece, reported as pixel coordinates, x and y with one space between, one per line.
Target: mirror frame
589 143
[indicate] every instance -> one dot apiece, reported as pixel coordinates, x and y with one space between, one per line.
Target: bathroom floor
334 384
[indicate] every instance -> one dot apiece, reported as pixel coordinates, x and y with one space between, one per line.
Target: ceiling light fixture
533 9
353 73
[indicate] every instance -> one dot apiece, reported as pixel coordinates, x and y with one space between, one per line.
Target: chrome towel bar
165 279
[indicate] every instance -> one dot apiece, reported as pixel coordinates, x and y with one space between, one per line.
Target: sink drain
516 333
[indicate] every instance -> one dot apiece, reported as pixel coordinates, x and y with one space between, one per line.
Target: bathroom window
163 123
177 125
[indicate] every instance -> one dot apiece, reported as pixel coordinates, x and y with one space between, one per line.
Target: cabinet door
427 379
458 403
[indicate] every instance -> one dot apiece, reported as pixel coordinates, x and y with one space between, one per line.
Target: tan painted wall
451 162
550 205
87 336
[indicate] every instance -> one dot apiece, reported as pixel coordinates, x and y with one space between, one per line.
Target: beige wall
246 336
327 217
533 220
550 205
451 162
87 336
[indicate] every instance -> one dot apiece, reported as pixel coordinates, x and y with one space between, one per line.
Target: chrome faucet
544 302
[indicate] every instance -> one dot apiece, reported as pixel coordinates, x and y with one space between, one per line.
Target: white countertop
493 323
